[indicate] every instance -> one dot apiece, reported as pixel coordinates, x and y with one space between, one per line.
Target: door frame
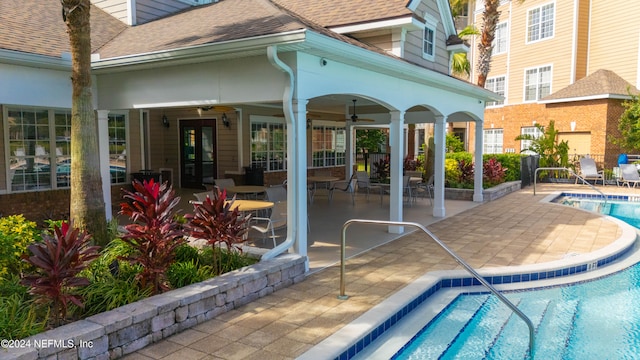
198 124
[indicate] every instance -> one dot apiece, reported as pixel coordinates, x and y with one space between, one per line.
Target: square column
105 168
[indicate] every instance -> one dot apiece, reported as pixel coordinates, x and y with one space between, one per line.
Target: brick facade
598 118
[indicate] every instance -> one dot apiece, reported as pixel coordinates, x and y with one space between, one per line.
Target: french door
197 153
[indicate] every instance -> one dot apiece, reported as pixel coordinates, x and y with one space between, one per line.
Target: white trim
40 61
524 82
506 50
526 35
433 29
176 104
574 42
587 98
408 23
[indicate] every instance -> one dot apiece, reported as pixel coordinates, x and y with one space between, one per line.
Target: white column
349 158
439 139
478 168
103 150
297 177
396 142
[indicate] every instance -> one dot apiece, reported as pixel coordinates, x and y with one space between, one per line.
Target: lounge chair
589 171
629 175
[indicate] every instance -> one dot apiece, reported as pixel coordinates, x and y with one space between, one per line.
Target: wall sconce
309 123
573 126
165 121
225 121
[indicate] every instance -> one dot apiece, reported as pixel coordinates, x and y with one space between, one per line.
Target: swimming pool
375 335
596 319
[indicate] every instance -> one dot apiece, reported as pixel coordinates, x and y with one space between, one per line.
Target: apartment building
558 60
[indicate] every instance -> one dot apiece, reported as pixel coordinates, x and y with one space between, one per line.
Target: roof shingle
601 82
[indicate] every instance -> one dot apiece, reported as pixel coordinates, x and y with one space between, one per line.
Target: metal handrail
571 172
459 260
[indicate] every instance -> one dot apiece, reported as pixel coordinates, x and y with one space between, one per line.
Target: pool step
556 328
513 340
476 338
433 341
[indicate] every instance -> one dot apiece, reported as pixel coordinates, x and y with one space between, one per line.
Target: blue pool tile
456 282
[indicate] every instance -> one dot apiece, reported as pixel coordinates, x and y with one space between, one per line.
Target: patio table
247 190
324 180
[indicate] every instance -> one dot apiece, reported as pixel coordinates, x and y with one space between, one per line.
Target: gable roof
333 13
41 22
599 85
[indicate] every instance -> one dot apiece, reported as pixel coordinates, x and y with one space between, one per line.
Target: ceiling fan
355 117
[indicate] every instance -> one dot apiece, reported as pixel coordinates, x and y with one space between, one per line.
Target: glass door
197 153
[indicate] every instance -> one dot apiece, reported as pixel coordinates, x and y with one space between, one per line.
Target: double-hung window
492 141
328 145
497 85
269 145
501 39
540 22
429 38
537 83
39 148
533 132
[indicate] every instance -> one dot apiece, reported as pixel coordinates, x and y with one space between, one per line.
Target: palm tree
87 205
490 17
460 65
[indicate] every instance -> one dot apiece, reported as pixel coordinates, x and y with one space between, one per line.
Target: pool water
597 319
590 320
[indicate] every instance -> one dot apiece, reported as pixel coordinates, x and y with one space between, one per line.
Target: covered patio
221 95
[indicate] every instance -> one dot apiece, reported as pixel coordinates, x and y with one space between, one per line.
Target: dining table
246 191
324 181
250 205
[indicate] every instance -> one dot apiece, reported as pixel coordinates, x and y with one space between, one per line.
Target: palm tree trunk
490 17
87 204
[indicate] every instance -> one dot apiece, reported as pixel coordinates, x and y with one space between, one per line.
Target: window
537 83
540 23
328 146
117 148
269 145
429 39
492 141
532 131
501 39
496 85
40 146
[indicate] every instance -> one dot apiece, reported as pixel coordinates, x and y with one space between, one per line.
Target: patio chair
629 175
278 193
224 183
202 196
346 186
589 171
364 182
426 188
276 221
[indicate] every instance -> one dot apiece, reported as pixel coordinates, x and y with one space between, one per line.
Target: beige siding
116 8
413 42
605 52
582 49
383 41
554 51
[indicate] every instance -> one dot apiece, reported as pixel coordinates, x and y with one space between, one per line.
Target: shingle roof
40 21
332 13
601 82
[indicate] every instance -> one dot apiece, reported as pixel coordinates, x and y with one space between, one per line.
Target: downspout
287 103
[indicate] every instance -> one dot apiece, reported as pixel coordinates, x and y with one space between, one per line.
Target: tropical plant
492 173
107 292
87 207
466 172
382 168
189 272
629 125
16 233
154 234
59 258
451 172
460 65
552 153
219 223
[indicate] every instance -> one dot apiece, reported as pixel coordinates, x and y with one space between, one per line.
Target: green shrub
510 162
186 253
451 172
107 293
16 233
19 317
189 272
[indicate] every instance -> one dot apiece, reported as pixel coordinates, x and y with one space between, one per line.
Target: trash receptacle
254 175
623 159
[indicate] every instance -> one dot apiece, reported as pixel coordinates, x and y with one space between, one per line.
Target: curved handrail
571 172
494 291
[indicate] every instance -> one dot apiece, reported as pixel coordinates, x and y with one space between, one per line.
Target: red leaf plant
493 172
58 259
219 223
155 233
